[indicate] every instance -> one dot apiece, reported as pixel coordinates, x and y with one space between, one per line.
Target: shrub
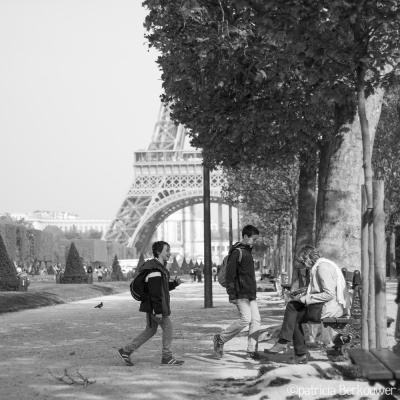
175 267
185 267
8 273
74 271
116 274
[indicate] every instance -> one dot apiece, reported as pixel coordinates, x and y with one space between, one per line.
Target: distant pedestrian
198 273
214 272
156 306
192 275
100 275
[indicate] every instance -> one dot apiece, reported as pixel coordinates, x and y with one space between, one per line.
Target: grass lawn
44 292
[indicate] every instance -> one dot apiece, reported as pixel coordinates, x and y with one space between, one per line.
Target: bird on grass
99 305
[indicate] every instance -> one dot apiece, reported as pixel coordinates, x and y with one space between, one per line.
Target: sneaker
126 357
255 355
277 348
218 346
299 359
171 361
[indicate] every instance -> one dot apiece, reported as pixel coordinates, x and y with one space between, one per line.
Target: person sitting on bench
328 286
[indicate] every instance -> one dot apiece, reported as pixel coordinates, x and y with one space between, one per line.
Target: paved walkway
36 344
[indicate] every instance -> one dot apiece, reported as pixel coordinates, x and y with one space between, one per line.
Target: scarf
342 294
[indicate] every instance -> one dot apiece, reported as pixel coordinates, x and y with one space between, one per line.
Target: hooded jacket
158 287
241 278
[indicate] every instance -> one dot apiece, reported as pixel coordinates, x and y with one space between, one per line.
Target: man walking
156 306
242 291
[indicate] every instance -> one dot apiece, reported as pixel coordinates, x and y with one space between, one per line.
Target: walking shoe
277 348
125 357
218 346
299 359
255 355
171 362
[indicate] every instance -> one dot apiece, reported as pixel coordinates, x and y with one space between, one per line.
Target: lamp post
208 300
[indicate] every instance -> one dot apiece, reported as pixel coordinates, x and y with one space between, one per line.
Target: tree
386 163
191 265
233 71
269 193
8 273
184 267
74 271
92 234
175 266
116 274
386 154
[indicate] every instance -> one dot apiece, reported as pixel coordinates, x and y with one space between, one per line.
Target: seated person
328 286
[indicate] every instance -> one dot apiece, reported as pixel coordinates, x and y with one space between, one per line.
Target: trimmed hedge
31 246
8 273
74 271
73 279
116 274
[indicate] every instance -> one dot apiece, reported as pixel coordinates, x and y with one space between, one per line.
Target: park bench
377 365
348 327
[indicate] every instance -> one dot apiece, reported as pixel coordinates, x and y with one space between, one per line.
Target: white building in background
184 231
63 220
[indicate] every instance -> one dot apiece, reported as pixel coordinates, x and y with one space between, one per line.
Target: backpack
222 271
138 286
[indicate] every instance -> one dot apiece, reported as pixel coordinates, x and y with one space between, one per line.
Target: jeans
150 331
248 314
292 328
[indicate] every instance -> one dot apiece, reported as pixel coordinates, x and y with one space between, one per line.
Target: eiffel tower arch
167 178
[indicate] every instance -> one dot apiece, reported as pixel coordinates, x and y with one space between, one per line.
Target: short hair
250 230
158 247
308 252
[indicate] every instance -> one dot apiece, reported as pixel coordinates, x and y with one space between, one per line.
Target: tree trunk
306 209
323 167
340 229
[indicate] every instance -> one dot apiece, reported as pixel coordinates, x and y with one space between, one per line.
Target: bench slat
370 366
387 357
343 320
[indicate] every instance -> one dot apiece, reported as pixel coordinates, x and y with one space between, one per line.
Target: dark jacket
157 301
241 278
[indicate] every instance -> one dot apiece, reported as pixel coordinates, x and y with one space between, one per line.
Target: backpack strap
240 254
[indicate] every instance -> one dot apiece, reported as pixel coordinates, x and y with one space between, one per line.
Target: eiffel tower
167 178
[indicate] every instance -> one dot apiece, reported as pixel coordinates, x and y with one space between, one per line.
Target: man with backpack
156 305
242 291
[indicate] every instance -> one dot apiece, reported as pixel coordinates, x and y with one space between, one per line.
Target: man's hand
233 301
300 297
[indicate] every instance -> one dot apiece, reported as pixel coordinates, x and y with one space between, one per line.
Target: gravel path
36 344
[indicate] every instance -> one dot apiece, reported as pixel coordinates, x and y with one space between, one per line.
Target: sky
79 92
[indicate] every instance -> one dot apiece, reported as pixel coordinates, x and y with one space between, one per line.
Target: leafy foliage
231 83
8 273
269 193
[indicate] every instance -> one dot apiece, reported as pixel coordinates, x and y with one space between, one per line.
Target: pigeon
99 305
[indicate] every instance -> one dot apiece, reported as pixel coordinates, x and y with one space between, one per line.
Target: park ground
39 345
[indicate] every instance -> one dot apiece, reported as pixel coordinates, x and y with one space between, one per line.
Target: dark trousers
292 328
